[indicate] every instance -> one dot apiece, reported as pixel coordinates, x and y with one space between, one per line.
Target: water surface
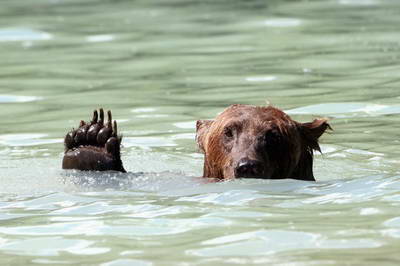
162 65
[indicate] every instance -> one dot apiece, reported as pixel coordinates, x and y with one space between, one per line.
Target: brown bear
258 142
244 141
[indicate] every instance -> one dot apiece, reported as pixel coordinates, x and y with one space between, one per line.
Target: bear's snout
249 168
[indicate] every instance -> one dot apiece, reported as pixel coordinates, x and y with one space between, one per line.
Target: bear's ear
202 127
312 131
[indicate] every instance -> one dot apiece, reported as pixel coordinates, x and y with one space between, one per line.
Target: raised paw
95 145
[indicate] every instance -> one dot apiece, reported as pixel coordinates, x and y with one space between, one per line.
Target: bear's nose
248 168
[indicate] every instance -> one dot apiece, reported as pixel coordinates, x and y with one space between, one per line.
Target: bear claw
95 145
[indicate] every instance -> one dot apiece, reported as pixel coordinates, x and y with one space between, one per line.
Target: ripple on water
148 142
264 242
40 247
22 34
30 139
343 110
124 262
147 113
232 197
394 225
143 110
124 227
47 202
394 222
359 2
18 99
261 79
102 208
282 22
100 38
185 125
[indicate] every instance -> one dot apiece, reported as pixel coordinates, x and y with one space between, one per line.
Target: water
160 66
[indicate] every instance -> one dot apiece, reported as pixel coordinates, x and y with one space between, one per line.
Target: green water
160 66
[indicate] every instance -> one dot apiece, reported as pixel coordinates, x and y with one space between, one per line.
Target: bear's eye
228 133
272 138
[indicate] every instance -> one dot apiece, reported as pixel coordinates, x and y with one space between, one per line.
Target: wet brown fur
281 147
291 156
